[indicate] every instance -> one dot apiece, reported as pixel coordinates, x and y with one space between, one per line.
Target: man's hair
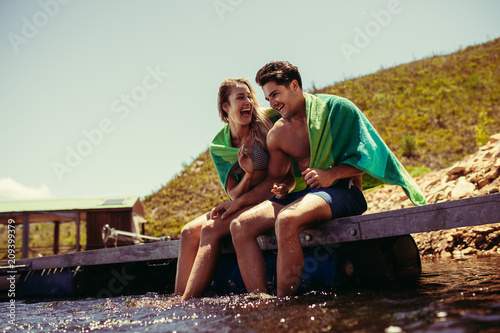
281 72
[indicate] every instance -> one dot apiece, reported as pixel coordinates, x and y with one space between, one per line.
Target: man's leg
207 258
190 240
292 220
244 230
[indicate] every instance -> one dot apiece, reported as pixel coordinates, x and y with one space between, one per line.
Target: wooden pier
444 215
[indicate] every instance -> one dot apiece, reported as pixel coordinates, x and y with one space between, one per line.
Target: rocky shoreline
478 174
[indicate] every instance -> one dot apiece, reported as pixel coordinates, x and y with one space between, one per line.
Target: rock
477 174
492 174
462 189
482 183
494 138
454 170
484 229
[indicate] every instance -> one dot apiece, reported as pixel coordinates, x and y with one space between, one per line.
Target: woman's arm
235 188
279 166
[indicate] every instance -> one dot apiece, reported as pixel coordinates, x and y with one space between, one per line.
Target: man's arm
281 190
279 165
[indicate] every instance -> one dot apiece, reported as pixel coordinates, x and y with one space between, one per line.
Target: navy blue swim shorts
344 198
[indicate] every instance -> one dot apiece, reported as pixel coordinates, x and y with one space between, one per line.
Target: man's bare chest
296 144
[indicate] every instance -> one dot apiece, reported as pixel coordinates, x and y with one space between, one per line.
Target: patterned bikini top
260 158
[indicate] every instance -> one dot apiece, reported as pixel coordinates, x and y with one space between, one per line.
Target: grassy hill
194 191
431 113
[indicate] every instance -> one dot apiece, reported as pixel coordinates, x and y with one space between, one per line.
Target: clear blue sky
110 98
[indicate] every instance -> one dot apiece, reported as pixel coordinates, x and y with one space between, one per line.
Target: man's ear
294 85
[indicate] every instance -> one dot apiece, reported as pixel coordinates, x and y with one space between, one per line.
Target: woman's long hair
260 124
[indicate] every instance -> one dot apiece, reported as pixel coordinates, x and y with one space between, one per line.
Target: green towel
340 133
223 155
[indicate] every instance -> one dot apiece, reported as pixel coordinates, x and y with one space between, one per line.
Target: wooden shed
123 213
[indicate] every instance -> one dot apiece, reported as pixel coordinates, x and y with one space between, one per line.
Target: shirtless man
322 134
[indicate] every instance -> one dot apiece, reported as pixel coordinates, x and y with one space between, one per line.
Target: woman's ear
225 106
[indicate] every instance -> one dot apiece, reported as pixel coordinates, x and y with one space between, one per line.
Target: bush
408 145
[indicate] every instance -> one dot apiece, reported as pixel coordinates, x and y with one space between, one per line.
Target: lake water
451 295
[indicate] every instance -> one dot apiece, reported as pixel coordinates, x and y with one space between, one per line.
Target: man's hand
224 209
280 190
317 178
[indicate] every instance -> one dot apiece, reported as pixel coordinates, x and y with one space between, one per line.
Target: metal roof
67 204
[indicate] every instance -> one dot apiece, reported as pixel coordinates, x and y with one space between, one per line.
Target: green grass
448 105
195 191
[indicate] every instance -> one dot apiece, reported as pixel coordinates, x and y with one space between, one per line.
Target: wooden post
26 235
56 236
77 236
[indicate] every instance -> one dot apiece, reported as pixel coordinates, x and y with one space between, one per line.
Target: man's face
283 99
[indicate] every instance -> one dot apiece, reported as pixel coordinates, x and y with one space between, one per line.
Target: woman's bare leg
190 240
207 258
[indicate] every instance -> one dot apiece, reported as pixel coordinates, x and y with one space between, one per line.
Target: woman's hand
245 161
224 209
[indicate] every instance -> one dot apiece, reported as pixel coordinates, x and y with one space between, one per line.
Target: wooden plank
67 216
56 236
26 235
141 252
445 215
77 235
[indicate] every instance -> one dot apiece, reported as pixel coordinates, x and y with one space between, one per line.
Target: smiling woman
240 155
239 108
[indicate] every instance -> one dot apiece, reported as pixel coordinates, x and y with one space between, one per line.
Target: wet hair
281 72
260 124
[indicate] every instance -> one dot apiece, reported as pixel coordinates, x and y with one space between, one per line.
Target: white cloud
11 189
